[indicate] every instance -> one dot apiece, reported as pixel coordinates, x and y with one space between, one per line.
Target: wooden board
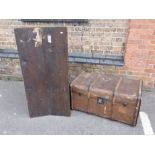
44 63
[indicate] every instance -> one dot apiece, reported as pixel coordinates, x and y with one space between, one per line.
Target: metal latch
101 100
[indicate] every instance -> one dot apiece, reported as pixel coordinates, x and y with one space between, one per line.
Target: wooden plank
43 57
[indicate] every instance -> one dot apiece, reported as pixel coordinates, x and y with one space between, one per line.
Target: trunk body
107 96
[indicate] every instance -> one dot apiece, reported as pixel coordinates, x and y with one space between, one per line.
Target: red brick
142 26
134 41
148 47
143 21
134 36
132 46
151 61
150 70
142 31
150 37
152 42
147 42
153 75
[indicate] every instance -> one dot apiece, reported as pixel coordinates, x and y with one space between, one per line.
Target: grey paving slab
148 106
14 118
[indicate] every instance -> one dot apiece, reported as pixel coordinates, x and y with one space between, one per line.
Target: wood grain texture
43 58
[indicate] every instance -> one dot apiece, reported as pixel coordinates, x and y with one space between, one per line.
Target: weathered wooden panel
43 57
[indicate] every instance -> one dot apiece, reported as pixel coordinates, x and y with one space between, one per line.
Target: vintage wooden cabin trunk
107 96
44 63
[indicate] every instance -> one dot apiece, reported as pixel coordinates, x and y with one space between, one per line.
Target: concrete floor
14 118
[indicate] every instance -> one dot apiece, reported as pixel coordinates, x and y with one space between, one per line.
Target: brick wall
140 51
104 36
135 39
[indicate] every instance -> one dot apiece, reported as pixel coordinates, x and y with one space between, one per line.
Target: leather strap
114 92
91 84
